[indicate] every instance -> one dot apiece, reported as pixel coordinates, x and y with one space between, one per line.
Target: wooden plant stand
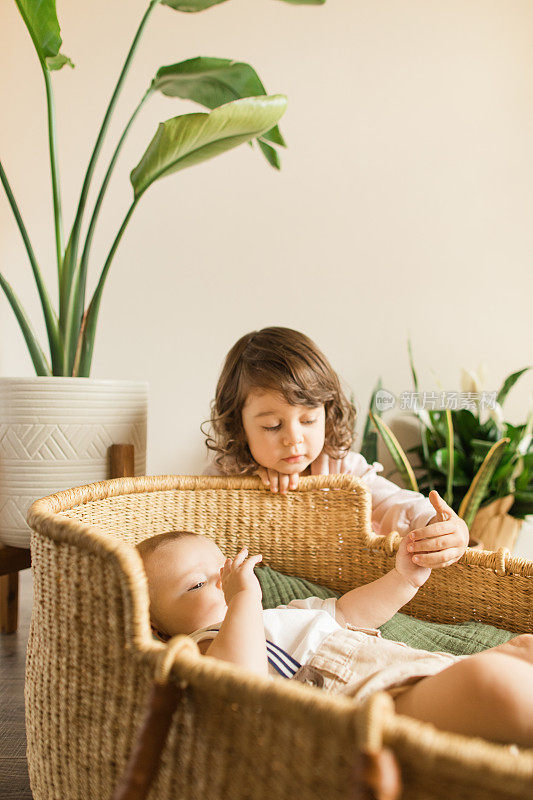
15 559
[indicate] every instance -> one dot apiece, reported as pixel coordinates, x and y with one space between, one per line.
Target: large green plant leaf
395 449
423 416
448 497
523 504
440 461
191 5
34 348
41 21
466 425
478 488
212 82
201 5
369 444
192 138
508 384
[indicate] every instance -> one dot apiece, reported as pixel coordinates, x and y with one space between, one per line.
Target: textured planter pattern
55 434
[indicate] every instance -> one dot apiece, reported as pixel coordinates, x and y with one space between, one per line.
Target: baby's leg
489 694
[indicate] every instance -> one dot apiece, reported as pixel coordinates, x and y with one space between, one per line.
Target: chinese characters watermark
436 401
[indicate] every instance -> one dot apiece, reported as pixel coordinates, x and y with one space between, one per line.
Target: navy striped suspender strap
278 658
282 662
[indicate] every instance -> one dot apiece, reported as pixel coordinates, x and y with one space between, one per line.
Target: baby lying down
335 644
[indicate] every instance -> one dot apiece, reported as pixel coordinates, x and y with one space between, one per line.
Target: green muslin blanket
462 638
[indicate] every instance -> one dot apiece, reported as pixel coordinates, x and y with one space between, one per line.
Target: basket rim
43 511
100 490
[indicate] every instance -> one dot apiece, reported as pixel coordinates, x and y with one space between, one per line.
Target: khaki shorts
358 662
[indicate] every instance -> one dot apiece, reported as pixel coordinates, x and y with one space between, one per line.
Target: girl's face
283 437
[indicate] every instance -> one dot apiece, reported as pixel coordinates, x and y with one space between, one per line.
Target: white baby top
294 632
393 508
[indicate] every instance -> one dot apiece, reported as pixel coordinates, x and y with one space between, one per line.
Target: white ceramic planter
55 434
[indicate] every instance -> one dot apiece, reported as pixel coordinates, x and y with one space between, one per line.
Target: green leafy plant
239 111
469 460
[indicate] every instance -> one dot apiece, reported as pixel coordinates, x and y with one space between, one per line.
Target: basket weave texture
91 659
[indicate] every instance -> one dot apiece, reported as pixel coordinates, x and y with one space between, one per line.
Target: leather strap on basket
377 773
377 776
146 753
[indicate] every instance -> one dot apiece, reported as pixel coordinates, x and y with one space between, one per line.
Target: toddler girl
280 412
335 644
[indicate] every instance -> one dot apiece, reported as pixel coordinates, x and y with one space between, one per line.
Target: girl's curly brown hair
285 361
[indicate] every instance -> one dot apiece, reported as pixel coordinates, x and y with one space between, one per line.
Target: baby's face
184 585
282 437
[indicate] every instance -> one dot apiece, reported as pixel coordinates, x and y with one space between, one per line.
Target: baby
335 644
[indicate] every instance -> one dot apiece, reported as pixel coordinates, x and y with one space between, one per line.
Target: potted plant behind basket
55 429
480 464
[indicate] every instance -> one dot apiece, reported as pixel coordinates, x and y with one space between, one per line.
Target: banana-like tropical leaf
270 153
201 5
476 493
41 21
508 384
56 62
191 6
212 82
395 449
192 138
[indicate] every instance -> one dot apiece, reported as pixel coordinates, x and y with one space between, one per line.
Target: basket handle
145 756
377 774
146 753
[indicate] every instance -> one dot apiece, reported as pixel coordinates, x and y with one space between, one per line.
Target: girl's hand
410 572
444 539
237 575
277 481
322 465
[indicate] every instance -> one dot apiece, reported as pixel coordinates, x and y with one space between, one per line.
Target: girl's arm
241 638
372 605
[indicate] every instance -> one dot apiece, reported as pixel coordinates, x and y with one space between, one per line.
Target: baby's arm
374 604
241 638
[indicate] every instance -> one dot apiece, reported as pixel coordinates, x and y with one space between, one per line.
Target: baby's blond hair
148 547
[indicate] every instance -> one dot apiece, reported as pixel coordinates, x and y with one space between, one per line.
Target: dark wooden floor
14 782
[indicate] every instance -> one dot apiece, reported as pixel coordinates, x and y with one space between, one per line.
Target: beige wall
404 203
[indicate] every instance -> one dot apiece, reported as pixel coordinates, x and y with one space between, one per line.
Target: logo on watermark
384 400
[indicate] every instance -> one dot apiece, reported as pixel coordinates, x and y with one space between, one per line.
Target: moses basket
91 657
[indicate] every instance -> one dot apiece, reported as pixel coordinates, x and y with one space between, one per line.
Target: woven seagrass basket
91 657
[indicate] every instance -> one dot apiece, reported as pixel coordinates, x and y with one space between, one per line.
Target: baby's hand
237 575
411 572
443 541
